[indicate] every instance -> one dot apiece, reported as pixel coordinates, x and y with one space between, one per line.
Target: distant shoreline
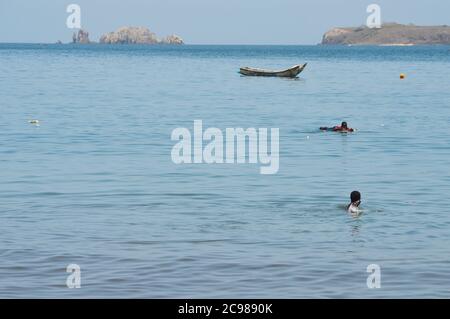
225 44
390 34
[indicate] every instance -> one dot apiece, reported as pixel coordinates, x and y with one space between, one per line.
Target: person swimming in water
343 128
355 198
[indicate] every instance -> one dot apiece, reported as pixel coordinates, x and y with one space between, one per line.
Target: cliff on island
388 34
137 35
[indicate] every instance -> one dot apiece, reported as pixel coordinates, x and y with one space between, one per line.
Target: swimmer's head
355 197
344 125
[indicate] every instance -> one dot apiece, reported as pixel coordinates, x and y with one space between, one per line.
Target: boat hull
288 73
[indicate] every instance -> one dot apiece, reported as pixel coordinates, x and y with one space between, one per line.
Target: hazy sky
210 21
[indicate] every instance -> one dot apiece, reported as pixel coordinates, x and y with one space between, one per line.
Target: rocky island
388 34
81 37
137 35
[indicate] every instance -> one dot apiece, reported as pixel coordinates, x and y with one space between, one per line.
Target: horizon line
170 45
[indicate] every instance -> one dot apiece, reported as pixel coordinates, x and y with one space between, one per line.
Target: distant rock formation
81 37
388 34
130 35
172 39
137 35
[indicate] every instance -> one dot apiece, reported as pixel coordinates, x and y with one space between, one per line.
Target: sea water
94 183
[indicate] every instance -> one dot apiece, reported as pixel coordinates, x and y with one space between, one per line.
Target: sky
210 21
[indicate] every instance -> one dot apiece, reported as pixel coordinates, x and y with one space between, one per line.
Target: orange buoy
402 76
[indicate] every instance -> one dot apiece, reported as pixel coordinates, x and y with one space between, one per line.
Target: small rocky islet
128 35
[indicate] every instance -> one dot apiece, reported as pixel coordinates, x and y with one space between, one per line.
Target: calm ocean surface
95 185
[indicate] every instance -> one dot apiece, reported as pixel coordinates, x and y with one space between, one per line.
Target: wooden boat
288 73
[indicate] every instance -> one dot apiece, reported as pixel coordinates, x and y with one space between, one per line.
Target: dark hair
344 124
355 196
